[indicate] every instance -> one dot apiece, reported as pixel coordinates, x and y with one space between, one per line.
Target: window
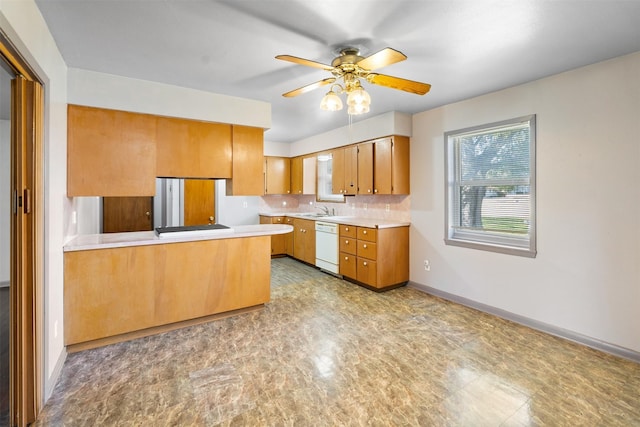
491 187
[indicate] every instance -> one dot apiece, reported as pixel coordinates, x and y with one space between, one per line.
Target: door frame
27 238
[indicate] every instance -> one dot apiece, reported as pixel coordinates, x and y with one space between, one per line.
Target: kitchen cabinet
365 168
123 214
277 175
199 201
391 165
278 241
110 153
288 238
304 240
377 258
193 149
344 178
303 175
247 162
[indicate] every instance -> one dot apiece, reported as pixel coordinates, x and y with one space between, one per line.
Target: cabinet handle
279 219
375 191
364 246
147 213
288 191
346 258
364 263
210 218
369 190
364 232
346 242
346 229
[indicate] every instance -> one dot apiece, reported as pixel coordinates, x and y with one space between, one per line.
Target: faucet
324 209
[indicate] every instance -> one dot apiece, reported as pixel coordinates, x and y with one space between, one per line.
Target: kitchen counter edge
87 242
346 220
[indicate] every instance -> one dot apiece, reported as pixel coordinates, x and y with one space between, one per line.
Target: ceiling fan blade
398 83
308 88
386 56
306 62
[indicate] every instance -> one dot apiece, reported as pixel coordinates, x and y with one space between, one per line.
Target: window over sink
325 169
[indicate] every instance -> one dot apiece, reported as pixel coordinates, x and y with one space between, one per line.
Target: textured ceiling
462 48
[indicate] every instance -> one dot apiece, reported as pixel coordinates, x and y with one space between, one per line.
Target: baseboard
533 324
53 379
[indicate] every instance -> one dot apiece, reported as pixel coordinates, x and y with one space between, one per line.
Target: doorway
25 210
5 239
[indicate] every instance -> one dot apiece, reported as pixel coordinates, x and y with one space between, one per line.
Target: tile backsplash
399 206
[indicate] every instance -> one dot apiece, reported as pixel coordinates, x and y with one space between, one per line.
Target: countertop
141 238
347 220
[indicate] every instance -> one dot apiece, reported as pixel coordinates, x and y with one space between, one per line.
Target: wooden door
247 160
351 170
123 214
365 168
199 201
297 177
382 166
278 175
27 219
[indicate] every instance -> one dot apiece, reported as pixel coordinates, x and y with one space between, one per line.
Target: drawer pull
364 263
346 258
346 229
364 246
364 232
346 242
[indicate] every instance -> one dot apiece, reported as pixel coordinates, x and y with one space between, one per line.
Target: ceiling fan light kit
351 67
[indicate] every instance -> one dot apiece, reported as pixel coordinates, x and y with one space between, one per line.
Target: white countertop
141 238
347 220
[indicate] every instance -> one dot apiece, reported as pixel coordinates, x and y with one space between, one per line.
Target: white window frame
524 245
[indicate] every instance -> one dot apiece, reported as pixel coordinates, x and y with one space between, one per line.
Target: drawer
348 231
347 263
368 234
277 220
366 271
367 250
348 245
288 220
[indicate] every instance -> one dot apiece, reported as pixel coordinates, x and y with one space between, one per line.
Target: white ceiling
462 48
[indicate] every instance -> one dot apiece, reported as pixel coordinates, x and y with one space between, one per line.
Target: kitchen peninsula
126 285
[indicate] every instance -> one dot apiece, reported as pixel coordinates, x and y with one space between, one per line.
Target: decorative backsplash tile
388 207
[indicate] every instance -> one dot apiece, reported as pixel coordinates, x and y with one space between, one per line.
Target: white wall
586 276
23 24
5 197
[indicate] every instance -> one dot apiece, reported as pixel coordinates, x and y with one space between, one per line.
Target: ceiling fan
351 67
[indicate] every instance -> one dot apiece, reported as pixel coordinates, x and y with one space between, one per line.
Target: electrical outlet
387 207
427 265
245 204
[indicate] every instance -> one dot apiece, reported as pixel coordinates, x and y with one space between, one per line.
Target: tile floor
325 352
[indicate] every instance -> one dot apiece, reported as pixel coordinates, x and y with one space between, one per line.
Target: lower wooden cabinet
377 258
304 240
288 238
278 241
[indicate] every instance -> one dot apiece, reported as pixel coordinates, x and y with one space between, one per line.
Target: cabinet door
288 239
124 214
347 264
304 240
199 201
309 166
400 166
297 177
351 170
310 243
367 271
277 175
247 177
365 168
193 149
382 166
110 153
337 171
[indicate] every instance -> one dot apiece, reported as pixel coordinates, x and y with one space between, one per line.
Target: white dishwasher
327 246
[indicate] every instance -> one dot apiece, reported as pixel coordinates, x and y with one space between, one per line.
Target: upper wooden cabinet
391 165
277 175
344 175
248 159
110 153
365 168
303 175
193 149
